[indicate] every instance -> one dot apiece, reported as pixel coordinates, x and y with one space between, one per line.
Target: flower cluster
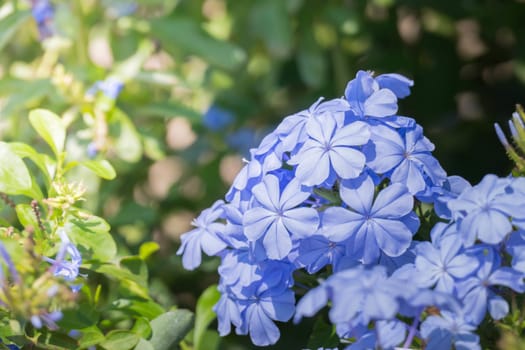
341 188
51 284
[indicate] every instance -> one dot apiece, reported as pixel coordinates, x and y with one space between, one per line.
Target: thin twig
7 200
36 211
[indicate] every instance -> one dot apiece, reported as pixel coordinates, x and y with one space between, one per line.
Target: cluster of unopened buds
339 192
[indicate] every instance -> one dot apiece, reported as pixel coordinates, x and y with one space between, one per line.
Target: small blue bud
111 87
92 150
501 136
217 118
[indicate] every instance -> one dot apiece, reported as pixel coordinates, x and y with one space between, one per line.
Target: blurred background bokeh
175 92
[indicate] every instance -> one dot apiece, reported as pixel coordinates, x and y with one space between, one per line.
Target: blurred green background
204 80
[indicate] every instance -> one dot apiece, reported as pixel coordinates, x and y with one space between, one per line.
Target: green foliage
204 316
113 288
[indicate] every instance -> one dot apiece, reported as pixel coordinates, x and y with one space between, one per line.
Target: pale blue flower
372 225
397 83
444 265
386 335
330 151
447 330
477 294
68 259
205 237
317 251
483 211
367 99
292 130
406 158
278 216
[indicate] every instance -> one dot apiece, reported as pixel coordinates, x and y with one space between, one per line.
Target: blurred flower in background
43 13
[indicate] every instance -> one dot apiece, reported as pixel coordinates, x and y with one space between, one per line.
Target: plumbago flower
339 191
66 268
276 218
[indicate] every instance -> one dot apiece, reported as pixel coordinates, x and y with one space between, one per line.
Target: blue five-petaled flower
277 216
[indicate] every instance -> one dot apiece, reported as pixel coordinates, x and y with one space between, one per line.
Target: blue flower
43 13
217 118
292 130
4 255
447 330
398 84
227 310
253 309
276 217
330 151
261 309
68 269
367 99
373 296
47 319
384 224
443 264
111 88
406 158
477 294
205 237
517 190
515 246
317 251
386 335
451 189
483 211
264 159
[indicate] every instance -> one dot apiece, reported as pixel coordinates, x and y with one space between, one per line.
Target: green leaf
83 316
127 143
50 127
170 328
181 35
323 335
101 167
91 235
26 216
147 249
120 340
138 307
14 176
204 315
142 327
42 161
55 341
143 344
137 267
270 22
311 61
91 336
28 92
10 24
210 340
129 282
